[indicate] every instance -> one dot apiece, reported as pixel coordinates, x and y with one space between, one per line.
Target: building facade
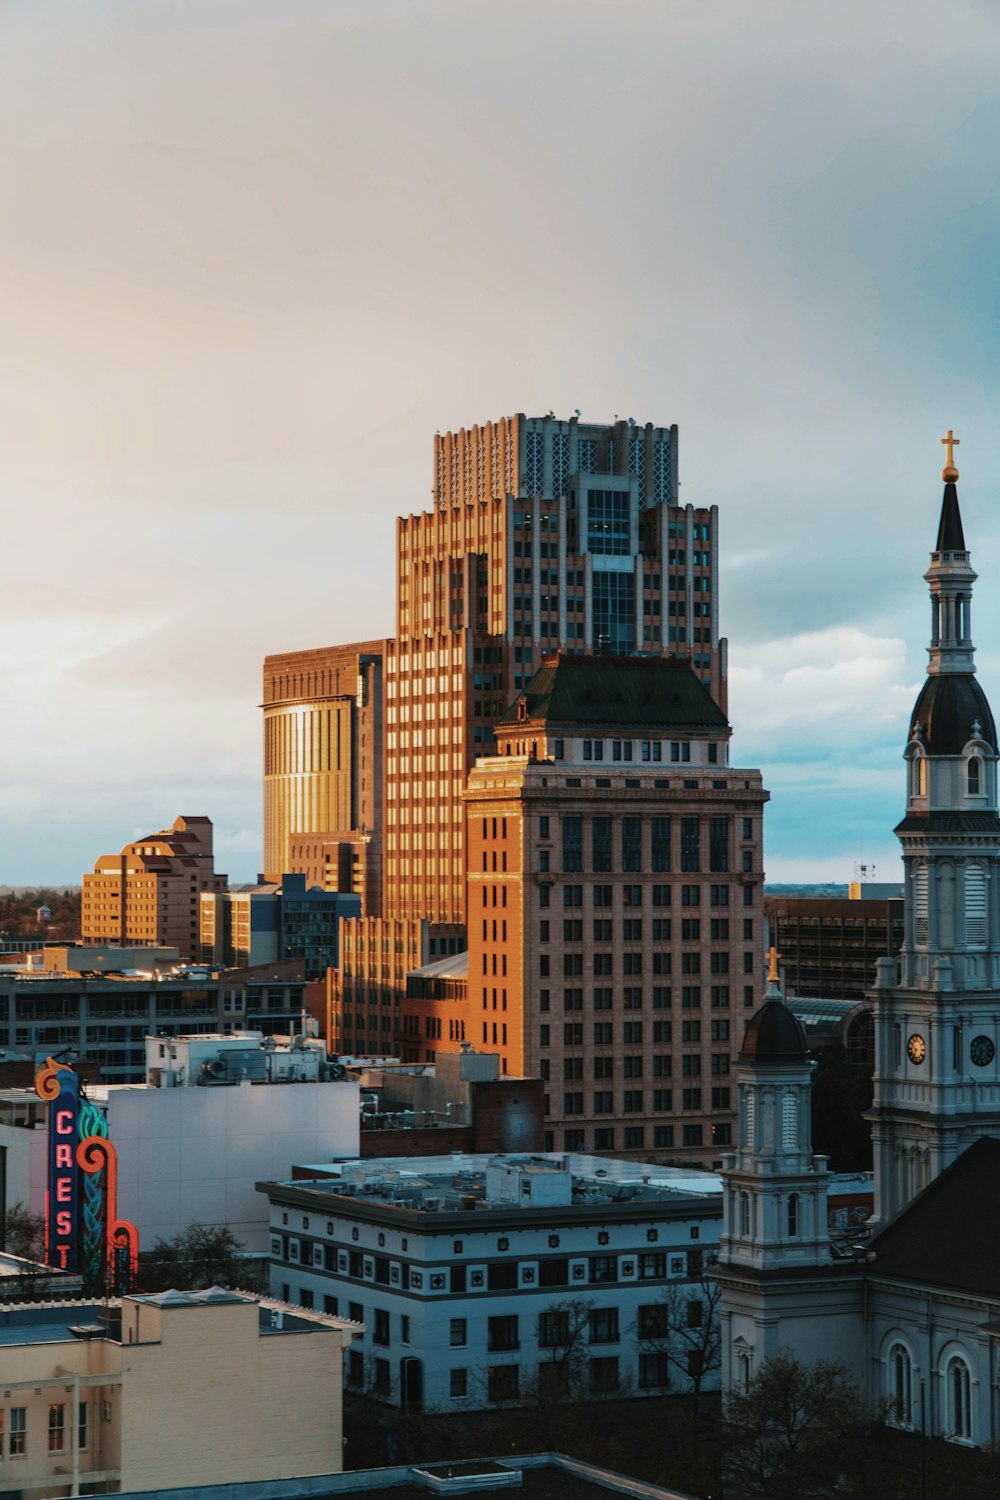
164 1390
829 947
148 894
273 921
913 1311
482 1279
323 741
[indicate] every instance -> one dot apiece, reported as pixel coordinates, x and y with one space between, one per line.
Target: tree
796 1431
200 1256
24 1233
681 1331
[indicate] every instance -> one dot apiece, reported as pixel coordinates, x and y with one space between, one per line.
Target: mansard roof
948 706
947 1237
642 692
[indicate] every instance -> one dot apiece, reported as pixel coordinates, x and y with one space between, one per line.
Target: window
459 1383
793 1215
18 1445
631 844
502 1382
572 896
718 844
603 930
572 830
974 776
604 1325
553 1329
82 1433
459 1333
692 1135
601 834
604 1268
958 1407
604 1374
900 1383
381 1333
654 1320
57 1428
502 1333
690 844
654 1371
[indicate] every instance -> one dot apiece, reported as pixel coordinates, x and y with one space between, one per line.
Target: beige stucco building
167 1390
148 894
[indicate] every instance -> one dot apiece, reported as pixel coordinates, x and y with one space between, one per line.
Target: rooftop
597 691
477 1182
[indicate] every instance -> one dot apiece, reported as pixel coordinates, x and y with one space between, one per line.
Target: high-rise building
323 769
272 921
545 535
148 894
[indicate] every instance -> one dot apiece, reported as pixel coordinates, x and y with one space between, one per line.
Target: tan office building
166 1390
148 895
323 773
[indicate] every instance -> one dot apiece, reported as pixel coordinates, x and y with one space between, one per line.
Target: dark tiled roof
598 691
948 705
948 1236
774 1035
950 822
951 537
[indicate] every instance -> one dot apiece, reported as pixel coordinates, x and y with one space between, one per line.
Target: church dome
948 706
774 1035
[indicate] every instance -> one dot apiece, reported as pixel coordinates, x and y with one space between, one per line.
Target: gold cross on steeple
773 976
949 473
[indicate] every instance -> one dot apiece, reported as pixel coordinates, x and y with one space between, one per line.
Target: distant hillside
19 912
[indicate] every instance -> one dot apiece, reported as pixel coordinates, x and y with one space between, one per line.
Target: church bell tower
937 1008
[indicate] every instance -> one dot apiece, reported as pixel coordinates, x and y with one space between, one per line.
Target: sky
253 256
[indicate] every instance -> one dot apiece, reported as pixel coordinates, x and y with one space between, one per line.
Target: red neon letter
64 1190
64 1154
64 1122
64 1223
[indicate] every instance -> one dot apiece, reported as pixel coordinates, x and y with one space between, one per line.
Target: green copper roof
642 692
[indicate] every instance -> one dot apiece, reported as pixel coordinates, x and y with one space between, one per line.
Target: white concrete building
216 1114
480 1279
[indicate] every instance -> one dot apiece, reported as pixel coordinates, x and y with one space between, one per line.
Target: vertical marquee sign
83 1189
58 1085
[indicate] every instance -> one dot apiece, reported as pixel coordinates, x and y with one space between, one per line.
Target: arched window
793 1215
974 776
745 1214
900 1383
749 1116
743 1369
958 1399
921 776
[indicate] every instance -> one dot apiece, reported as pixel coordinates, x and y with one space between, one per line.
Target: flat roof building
163 1390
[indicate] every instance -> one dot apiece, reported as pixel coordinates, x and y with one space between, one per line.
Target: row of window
632 931
14 1429
634 854
603 896
638 1138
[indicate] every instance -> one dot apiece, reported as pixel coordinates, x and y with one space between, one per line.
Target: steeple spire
950 577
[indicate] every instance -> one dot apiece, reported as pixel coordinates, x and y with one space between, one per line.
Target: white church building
913 1310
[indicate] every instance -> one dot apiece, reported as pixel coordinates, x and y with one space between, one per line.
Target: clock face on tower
982 1051
917 1048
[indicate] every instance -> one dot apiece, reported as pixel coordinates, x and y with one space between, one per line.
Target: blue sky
254 256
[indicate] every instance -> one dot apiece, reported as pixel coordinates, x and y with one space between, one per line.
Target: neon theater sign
82 1229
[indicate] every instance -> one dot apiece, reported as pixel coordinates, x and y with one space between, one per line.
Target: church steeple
950 578
937 1009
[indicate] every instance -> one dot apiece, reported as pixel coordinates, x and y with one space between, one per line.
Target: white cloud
838 687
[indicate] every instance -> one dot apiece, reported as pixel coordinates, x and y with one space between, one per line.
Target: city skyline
249 291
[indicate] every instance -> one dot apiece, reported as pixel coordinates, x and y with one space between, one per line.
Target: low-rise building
215 1113
274 920
166 1390
482 1278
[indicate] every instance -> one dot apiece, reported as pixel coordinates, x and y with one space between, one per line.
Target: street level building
481 1279
165 1390
148 894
